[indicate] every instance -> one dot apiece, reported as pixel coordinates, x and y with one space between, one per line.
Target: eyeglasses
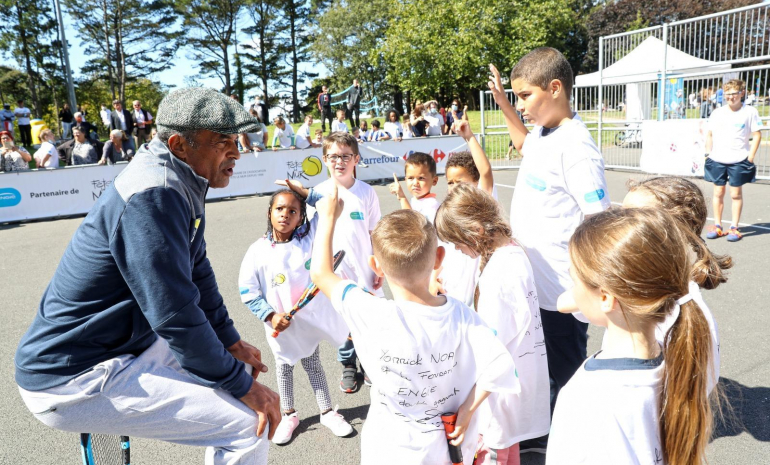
344 158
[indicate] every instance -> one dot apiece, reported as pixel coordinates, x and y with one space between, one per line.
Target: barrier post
662 86
483 139
601 94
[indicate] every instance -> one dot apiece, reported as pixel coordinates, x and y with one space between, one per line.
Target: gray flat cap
197 108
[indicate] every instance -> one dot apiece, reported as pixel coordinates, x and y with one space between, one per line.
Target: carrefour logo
9 197
379 160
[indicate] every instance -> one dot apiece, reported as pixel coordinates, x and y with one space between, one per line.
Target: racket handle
455 453
276 333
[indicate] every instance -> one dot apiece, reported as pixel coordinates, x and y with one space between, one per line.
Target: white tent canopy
645 63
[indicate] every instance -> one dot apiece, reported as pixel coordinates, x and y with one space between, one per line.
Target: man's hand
249 355
266 404
395 188
279 321
294 185
463 129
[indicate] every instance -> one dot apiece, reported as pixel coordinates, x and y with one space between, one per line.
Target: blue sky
174 76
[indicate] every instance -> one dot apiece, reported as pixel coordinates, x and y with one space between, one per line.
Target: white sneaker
335 422
286 428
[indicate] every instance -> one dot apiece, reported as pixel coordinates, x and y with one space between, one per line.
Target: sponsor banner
674 147
74 190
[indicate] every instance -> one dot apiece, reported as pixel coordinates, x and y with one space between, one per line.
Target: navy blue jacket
136 269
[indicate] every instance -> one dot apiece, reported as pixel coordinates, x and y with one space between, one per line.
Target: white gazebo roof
645 62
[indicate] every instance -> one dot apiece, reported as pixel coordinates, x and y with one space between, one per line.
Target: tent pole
662 87
601 93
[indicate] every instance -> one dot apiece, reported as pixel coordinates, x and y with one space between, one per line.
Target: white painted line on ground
743 225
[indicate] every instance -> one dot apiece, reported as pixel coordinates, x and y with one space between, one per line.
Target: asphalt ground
31 251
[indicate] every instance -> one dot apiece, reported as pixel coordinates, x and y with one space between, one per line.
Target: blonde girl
506 299
636 400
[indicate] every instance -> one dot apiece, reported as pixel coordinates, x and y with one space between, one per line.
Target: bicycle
105 449
628 137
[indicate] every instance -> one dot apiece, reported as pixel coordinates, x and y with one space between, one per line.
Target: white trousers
151 396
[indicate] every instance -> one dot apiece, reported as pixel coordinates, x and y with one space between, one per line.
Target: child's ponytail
685 412
708 271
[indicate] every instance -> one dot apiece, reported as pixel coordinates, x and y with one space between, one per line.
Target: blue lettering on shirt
740 125
535 183
594 196
347 288
243 290
357 215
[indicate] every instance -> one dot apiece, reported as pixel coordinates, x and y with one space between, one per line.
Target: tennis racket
105 449
455 453
310 291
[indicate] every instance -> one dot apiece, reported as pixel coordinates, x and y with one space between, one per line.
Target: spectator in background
418 122
325 107
113 150
141 120
338 125
122 119
408 133
434 119
364 127
22 114
455 114
105 115
377 134
319 137
354 104
66 117
154 132
283 135
83 153
705 103
260 105
357 134
303 139
393 126
12 157
751 98
47 156
720 97
7 118
89 129
256 141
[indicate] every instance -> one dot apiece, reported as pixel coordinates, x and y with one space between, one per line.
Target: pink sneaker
286 429
335 422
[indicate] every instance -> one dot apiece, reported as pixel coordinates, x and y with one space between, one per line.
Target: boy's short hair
376 123
541 66
308 117
405 244
319 131
340 110
422 159
735 84
464 160
341 138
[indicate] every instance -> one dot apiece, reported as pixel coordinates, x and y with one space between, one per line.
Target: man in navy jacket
145 346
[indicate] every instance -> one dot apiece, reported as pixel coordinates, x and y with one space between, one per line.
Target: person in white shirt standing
105 115
729 157
22 118
47 156
338 125
142 122
434 119
561 182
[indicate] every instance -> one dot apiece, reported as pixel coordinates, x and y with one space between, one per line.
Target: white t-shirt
508 304
339 126
280 273
352 232
105 115
283 138
139 117
561 179
394 129
302 141
419 373
122 118
607 414
428 206
730 133
22 115
436 123
47 148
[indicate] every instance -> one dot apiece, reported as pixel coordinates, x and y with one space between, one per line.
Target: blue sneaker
715 232
734 235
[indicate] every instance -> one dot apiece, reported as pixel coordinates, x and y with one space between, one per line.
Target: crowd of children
489 317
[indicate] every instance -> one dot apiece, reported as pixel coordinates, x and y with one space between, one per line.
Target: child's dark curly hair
302 211
464 160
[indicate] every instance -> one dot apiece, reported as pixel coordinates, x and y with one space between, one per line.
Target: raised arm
395 189
486 180
321 265
516 128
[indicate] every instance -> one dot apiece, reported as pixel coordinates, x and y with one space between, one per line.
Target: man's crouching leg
151 396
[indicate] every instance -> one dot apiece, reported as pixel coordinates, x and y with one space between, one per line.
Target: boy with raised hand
420 177
418 373
560 182
729 158
362 212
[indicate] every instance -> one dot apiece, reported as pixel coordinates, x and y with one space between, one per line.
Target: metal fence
672 71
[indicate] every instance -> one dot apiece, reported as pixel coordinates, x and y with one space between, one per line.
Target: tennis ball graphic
278 280
311 166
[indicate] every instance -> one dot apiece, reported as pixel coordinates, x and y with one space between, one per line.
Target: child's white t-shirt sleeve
348 299
373 209
504 314
586 183
754 122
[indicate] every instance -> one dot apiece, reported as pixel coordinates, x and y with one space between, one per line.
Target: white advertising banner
74 190
674 147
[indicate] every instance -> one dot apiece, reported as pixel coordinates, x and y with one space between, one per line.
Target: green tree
210 33
263 58
436 46
126 40
294 21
